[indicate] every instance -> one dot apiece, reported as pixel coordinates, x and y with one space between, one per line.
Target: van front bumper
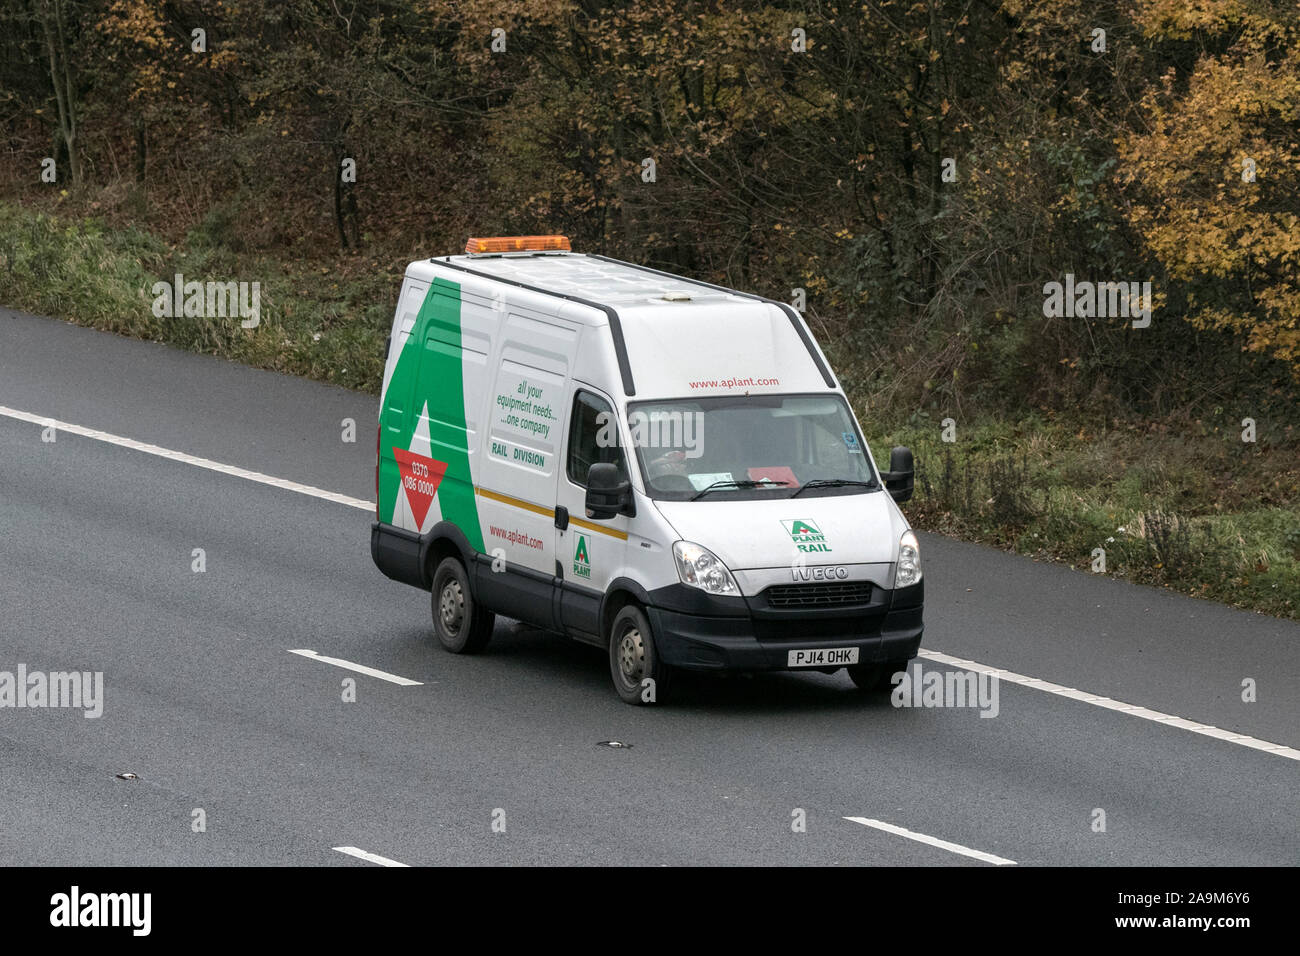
697 632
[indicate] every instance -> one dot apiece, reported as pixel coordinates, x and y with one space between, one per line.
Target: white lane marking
180 456
369 857
1169 720
359 668
1133 710
933 841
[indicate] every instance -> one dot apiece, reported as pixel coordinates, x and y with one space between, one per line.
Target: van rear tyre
461 625
634 659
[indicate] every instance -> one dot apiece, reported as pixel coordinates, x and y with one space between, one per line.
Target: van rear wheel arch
445 540
459 623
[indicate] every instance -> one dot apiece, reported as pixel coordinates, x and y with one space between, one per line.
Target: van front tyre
640 674
461 625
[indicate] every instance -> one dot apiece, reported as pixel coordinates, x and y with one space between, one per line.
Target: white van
658 466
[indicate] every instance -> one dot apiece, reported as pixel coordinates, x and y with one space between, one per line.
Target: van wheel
875 677
634 658
461 625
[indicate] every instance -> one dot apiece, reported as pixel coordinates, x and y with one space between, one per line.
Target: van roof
599 279
652 313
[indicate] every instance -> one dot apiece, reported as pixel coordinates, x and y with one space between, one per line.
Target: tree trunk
141 153
51 12
338 201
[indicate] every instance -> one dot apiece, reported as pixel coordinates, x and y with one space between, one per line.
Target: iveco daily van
654 465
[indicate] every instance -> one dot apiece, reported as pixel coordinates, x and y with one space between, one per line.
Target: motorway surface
207 706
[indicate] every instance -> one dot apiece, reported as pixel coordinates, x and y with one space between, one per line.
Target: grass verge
325 320
1192 507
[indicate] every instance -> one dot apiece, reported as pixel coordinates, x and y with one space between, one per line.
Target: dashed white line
183 458
369 857
933 841
359 668
1133 710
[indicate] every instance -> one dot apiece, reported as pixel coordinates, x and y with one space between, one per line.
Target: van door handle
561 517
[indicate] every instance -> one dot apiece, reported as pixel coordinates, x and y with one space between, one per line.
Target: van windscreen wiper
831 483
729 483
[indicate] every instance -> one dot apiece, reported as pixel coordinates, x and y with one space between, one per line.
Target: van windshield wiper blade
831 483
728 483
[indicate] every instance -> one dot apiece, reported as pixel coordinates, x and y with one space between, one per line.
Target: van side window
592 419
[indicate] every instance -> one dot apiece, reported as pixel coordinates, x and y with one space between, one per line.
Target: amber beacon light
477 245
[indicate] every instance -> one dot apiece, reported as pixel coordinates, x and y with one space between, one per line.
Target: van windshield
749 446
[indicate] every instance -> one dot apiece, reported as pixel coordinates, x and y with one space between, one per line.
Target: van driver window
592 425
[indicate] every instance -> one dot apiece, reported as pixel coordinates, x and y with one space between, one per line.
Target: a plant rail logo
807 537
581 558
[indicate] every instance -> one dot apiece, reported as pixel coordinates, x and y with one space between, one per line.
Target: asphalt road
205 703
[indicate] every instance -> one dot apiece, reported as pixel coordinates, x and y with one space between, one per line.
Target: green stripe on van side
430 370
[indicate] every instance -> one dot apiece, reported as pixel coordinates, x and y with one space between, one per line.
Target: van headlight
700 568
909 561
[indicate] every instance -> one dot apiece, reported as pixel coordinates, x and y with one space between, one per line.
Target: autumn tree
1215 169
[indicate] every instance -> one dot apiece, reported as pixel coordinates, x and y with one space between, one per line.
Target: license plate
822 657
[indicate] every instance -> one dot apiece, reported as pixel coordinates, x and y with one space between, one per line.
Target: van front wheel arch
639 673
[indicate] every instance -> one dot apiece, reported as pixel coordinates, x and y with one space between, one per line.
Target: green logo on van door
807 537
581 560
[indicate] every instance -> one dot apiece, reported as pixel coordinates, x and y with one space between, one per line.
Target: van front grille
828 594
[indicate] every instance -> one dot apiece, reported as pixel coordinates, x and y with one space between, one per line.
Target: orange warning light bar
477 245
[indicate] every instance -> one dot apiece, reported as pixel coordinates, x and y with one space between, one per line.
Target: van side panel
394 402
518 469
424 473
520 459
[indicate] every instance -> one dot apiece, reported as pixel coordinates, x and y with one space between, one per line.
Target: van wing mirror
608 492
901 477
